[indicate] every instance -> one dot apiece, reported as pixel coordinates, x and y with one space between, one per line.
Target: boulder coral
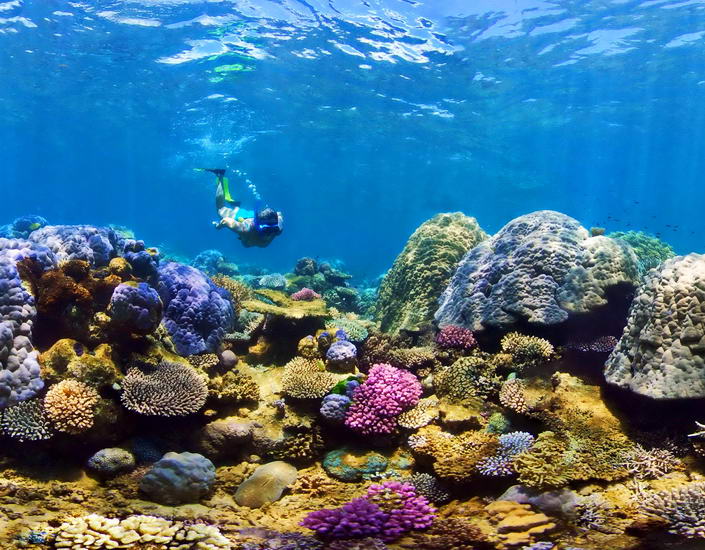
661 353
178 478
409 292
539 268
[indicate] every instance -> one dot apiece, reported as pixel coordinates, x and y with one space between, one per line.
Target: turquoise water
358 119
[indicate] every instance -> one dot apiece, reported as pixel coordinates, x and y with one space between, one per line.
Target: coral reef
178 478
526 351
650 250
682 509
70 406
539 268
266 484
409 292
661 352
135 307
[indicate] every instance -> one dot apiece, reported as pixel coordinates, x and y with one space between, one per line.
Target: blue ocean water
359 119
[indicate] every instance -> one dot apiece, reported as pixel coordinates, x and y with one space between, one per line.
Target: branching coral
69 405
307 379
526 351
650 463
511 395
239 292
467 377
26 421
682 508
455 337
168 389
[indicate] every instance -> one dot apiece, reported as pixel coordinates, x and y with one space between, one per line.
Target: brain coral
168 389
70 405
539 268
409 292
197 313
662 351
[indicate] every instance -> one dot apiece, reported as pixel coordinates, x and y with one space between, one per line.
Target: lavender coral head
305 295
385 394
334 407
136 308
387 511
455 337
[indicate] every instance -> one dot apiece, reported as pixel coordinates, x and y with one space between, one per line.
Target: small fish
35 226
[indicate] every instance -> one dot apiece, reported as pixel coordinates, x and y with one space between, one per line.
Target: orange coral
70 405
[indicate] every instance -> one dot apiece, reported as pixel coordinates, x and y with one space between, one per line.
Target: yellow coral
70 359
516 524
279 304
408 296
239 292
70 405
307 379
526 351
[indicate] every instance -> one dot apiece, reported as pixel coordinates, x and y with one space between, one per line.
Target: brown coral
526 351
70 406
466 378
455 533
516 524
239 292
512 396
233 387
307 379
169 389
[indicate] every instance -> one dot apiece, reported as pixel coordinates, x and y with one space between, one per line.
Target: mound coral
197 313
387 511
70 405
136 308
110 461
455 337
539 268
381 398
661 351
266 484
95 245
341 355
409 292
178 478
306 295
526 351
167 389
356 331
143 261
233 387
334 407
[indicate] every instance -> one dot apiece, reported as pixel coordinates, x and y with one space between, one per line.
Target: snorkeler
253 227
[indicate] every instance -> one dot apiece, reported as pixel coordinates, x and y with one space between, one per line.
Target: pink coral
385 394
305 295
453 336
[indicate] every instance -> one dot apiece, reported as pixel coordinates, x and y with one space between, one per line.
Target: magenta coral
387 511
455 337
305 295
385 394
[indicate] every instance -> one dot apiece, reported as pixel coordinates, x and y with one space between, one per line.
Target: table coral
167 389
409 292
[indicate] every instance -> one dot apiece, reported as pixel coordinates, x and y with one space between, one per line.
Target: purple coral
135 308
455 337
197 312
387 511
305 295
144 261
377 402
341 353
95 245
510 445
334 407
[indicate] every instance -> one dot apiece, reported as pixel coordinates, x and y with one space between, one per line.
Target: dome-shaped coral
70 405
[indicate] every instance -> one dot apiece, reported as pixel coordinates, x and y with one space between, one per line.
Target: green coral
409 293
650 251
472 376
355 330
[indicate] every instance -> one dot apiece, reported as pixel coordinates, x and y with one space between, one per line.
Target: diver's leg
219 195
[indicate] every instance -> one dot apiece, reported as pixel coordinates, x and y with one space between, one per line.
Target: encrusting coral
409 292
277 303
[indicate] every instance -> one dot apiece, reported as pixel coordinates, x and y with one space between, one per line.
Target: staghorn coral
526 351
167 389
409 292
70 406
652 463
511 395
307 379
26 421
539 268
661 351
277 303
472 376
94 532
682 508
454 533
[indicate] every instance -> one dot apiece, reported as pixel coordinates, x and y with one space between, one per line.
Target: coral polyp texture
70 406
166 389
95 245
135 307
409 292
682 508
381 398
539 268
197 313
455 337
661 353
387 511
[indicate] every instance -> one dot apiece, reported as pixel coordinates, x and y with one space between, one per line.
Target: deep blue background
593 109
